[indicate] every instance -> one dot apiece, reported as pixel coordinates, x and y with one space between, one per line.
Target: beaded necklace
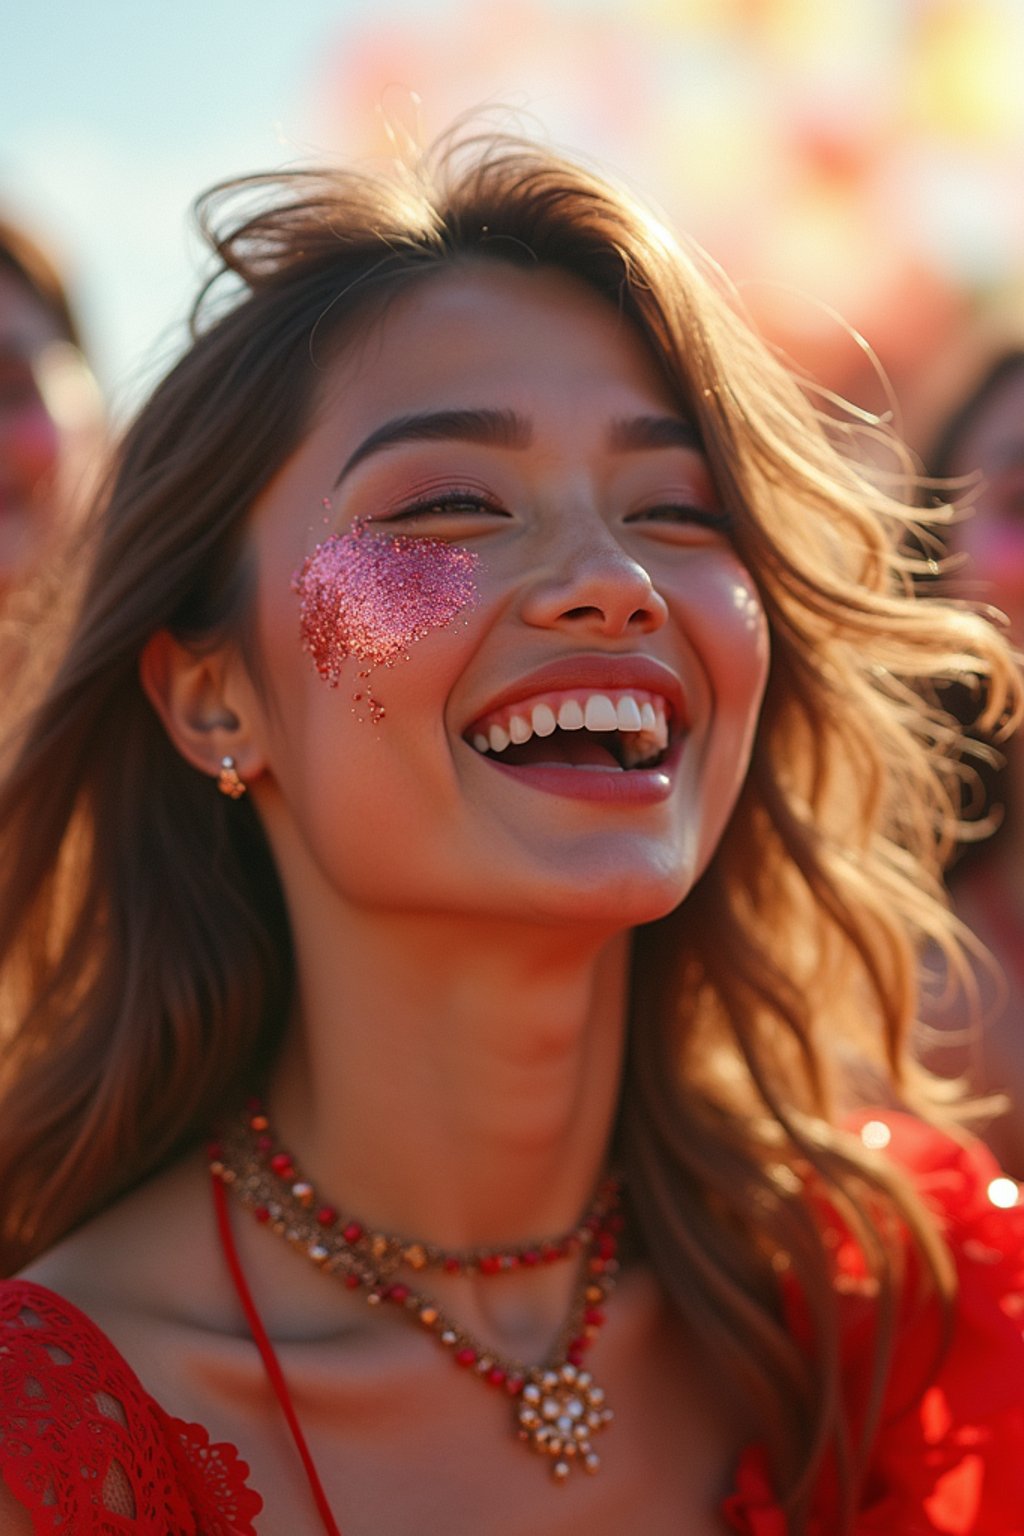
557 1406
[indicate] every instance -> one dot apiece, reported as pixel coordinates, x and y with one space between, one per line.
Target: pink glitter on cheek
368 596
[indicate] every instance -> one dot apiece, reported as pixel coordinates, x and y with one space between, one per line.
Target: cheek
367 598
750 623
31 444
996 551
729 630
727 623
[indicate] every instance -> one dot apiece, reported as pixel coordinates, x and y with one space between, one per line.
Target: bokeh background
861 159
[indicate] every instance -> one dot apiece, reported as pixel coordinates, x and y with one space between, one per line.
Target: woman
507 589
982 441
50 413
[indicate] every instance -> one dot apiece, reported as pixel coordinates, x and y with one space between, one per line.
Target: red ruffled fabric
953 1463
86 1449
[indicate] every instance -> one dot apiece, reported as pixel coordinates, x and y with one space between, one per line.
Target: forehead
483 332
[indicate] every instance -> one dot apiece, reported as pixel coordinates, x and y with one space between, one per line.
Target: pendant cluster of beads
558 1408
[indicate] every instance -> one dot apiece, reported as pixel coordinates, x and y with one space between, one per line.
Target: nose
596 589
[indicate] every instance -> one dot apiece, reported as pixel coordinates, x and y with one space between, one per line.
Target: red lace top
86 1449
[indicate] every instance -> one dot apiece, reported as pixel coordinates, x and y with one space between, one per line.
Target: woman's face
993 536
29 435
49 413
512 662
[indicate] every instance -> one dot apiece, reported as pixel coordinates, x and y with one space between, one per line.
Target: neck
452 1083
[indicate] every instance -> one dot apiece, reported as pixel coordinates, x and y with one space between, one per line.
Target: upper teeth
643 717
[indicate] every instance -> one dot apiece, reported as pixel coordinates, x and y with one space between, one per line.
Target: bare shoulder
15 1519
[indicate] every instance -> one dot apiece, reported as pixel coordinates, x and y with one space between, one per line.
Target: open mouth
619 729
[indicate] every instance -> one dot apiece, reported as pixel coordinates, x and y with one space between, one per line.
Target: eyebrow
639 432
495 429
507 429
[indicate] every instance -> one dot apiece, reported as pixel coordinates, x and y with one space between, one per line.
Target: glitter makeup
369 595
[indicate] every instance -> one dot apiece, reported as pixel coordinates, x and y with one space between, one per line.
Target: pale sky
868 153
115 113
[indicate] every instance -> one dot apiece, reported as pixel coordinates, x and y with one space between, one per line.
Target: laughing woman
462 890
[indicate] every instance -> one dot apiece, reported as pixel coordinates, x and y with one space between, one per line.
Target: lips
611 713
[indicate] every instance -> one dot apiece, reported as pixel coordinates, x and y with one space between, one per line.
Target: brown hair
146 958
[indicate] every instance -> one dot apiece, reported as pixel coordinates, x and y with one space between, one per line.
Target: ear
206 702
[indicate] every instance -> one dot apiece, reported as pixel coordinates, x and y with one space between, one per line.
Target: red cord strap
271 1364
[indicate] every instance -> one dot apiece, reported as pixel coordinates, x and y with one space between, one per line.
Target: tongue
578 749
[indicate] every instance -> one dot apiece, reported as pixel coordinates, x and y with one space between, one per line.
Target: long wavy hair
145 956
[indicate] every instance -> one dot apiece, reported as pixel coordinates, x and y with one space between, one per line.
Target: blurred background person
981 441
50 407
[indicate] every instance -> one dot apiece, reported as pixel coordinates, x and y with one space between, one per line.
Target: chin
616 900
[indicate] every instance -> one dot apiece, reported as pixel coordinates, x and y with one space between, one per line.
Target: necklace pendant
558 1407
557 1413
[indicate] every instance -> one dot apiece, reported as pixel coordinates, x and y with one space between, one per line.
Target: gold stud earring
228 781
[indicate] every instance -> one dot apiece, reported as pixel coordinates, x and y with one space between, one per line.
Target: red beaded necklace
557 1405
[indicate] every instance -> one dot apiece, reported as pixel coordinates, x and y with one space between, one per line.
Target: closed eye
685 514
449 504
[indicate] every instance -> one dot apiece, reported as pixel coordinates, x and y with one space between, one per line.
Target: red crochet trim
69 1401
953 1465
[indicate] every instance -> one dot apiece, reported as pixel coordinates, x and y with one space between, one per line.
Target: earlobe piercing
228 781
